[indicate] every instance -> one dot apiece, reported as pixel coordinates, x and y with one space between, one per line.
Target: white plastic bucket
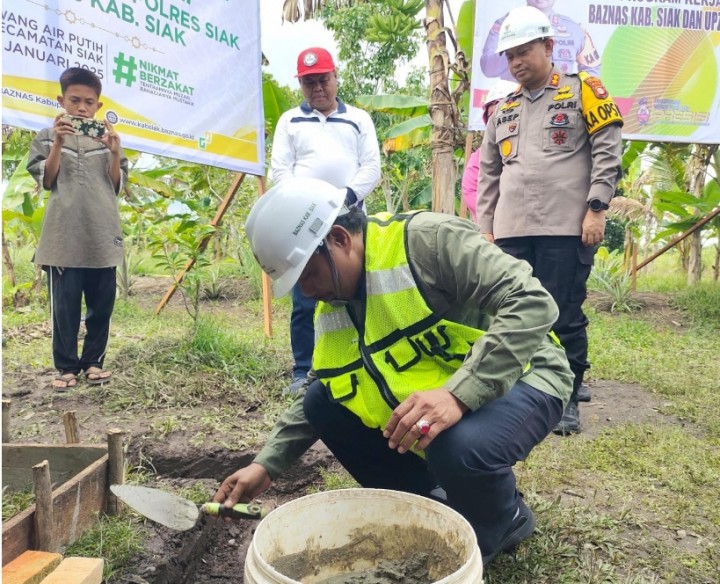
361 522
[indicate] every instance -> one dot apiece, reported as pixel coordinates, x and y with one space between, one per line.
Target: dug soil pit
212 551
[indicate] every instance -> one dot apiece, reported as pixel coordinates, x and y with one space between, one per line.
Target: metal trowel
178 513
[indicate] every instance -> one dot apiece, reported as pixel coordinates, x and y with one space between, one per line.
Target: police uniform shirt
543 158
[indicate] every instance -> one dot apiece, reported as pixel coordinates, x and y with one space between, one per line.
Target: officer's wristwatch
597 205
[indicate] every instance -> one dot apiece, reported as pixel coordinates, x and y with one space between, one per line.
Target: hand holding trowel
176 512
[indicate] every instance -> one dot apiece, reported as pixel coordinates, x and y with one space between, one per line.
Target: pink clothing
470 181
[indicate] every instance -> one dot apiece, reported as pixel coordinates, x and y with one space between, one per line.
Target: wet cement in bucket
377 555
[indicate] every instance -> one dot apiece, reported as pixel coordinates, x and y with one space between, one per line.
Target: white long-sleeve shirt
341 149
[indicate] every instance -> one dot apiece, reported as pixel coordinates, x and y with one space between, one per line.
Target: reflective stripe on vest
405 347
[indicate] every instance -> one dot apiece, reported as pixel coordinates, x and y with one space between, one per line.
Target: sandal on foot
97 376
64 382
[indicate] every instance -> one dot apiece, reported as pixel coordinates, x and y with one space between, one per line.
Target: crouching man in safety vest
411 393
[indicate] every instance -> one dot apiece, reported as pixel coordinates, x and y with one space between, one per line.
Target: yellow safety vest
403 348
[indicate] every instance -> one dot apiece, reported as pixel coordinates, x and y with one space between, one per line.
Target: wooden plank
30 567
75 508
66 460
77 571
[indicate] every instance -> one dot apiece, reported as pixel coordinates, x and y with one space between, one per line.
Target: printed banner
659 59
181 78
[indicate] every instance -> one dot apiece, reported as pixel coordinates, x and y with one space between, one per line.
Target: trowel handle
239 511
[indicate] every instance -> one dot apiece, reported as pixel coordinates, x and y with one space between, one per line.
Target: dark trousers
302 332
67 287
562 264
472 461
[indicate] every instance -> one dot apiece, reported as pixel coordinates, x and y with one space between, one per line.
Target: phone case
87 126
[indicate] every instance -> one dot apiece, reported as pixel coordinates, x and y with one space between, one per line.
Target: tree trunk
716 265
698 170
442 112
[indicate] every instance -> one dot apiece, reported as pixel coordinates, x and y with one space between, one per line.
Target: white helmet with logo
522 25
288 223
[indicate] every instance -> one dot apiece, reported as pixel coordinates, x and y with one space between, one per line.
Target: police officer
573 51
549 165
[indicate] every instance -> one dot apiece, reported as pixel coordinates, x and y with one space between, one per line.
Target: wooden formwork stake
44 532
6 420
72 435
116 469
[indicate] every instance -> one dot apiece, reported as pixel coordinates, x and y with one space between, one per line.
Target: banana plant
409 133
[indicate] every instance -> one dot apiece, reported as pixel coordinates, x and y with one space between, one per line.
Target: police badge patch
560 119
597 87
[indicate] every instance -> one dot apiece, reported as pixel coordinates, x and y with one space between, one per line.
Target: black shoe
570 421
583 394
522 527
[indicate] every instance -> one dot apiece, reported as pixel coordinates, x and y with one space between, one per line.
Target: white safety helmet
288 223
498 91
522 25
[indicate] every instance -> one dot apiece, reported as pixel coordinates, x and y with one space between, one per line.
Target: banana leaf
399 105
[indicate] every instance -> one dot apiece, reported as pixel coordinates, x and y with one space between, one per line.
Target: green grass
701 303
334 479
115 539
682 366
665 274
636 504
14 502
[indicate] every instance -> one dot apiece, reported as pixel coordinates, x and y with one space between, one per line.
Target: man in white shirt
323 138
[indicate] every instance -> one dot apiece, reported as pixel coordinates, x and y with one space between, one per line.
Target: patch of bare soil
212 551
654 307
150 290
615 403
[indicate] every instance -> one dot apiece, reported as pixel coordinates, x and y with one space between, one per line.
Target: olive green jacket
468 280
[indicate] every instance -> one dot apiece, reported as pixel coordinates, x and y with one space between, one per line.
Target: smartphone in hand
87 126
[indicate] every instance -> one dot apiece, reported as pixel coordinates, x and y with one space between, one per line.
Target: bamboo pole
72 435
266 287
709 217
44 532
6 420
222 209
116 469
